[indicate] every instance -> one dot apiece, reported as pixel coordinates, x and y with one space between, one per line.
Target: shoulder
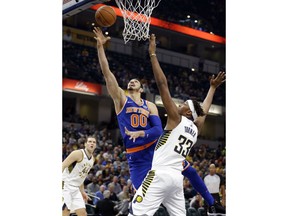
206 176
79 154
220 176
152 107
150 104
76 153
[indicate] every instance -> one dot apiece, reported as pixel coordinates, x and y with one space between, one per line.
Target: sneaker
216 209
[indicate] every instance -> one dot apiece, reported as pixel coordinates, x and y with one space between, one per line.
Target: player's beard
132 89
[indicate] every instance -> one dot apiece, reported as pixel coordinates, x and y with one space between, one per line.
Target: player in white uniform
164 182
75 169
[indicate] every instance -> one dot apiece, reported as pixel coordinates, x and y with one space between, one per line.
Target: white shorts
160 186
72 197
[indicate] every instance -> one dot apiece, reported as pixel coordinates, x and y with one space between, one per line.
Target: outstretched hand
99 37
220 78
152 44
134 134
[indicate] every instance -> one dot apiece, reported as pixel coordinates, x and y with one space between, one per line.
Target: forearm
103 60
159 75
156 130
81 187
111 82
149 135
208 100
153 133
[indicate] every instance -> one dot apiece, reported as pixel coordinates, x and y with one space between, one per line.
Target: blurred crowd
110 176
81 63
109 179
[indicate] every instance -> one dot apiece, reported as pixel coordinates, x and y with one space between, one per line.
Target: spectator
106 175
124 194
99 194
124 173
105 207
124 199
123 182
117 187
88 179
113 196
187 189
130 188
196 202
93 187
215 184
118 166
145 86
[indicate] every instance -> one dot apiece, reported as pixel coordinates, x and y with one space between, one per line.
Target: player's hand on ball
99 37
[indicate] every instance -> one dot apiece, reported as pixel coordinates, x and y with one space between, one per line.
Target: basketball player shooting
164 182
138 119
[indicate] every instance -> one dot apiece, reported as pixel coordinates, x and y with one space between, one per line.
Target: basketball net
137 18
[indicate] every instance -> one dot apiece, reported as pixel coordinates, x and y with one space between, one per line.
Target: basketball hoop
137 18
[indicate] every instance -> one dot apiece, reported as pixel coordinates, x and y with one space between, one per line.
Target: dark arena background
190 48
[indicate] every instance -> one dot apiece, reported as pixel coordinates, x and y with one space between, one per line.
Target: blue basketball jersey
136 117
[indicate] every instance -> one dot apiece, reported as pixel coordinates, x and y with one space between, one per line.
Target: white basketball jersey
79 172
174 145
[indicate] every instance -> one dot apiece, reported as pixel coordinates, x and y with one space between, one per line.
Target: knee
81 213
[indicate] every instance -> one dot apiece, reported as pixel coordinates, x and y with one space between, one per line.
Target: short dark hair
90 136
199 110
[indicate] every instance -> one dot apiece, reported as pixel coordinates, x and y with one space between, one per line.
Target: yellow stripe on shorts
147 182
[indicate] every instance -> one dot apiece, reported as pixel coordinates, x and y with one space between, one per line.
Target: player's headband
192 108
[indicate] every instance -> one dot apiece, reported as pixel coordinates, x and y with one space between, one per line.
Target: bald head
212 169
102 188
106 194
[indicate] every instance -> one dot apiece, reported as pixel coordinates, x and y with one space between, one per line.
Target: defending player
139 124
75 169
164 183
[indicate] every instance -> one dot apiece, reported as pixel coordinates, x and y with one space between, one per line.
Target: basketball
105 16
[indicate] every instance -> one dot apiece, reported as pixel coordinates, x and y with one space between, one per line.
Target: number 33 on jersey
174 145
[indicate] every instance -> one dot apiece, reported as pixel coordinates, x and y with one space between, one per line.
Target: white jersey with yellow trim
174 145
76 174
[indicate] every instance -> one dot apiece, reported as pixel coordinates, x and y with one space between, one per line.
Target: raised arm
214 83
114 90
173 117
